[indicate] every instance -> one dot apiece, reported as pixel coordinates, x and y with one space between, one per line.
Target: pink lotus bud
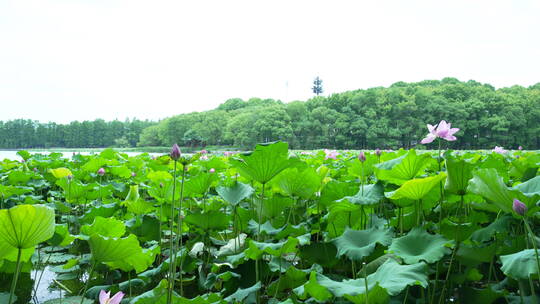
101 172
133 174
203 151
175 152
519 207
70 177
362 156
35 169
212 170
520 148
378 152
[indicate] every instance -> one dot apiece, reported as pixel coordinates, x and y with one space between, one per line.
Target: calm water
13 154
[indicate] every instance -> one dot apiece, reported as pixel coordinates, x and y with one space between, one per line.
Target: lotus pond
271 226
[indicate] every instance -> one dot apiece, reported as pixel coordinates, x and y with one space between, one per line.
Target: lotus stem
88 280
366 282
172 255
180 223
16 276
533 241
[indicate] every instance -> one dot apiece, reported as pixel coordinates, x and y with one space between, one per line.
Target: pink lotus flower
330 154
362 156
175 152
499 150
204 157
519 207
133 174
105 297
378 152
520 148
101 172
203 151
212 170
442 130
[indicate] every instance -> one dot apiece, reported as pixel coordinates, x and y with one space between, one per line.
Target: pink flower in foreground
101 172
212 170
499 150
105 297
175 152
442 130
330 154
519 207
362 156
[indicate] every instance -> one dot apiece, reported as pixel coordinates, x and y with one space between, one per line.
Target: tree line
25 133
380 117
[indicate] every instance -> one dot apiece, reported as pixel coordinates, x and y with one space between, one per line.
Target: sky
65 60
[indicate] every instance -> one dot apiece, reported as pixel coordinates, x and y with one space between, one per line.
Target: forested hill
374 118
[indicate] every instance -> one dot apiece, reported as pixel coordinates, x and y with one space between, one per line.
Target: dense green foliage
22 133
273 227
374 118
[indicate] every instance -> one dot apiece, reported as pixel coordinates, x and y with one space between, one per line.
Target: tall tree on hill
317 86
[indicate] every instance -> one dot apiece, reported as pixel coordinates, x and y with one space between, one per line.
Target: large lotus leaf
120 171
108 227
335 190
488 183
256 249
199 184
342 214
9 253
395 277
401 169
61 172
73 190
297 182
520 265
416 188
25 226
368 195
243 295
139 206
357 244
211 220
235 193
139 261
61 236
159 176
530 188
7 191
273 207
459 173
265 162
107 249
291 279
133 194
418 245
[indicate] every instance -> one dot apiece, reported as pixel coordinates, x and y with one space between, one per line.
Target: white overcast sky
64 60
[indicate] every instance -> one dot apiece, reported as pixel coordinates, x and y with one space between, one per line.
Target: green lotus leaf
399 170
7 191
242 295
265 162
298 183
416 188
459 173
25 226
235 193
107 227
159 176
61 236
520 265
530 188
9 253
489 184
335 190
139 261
211 220
394 278
418 245
256 249
110 249
357 244
369 195
199 184
60 172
